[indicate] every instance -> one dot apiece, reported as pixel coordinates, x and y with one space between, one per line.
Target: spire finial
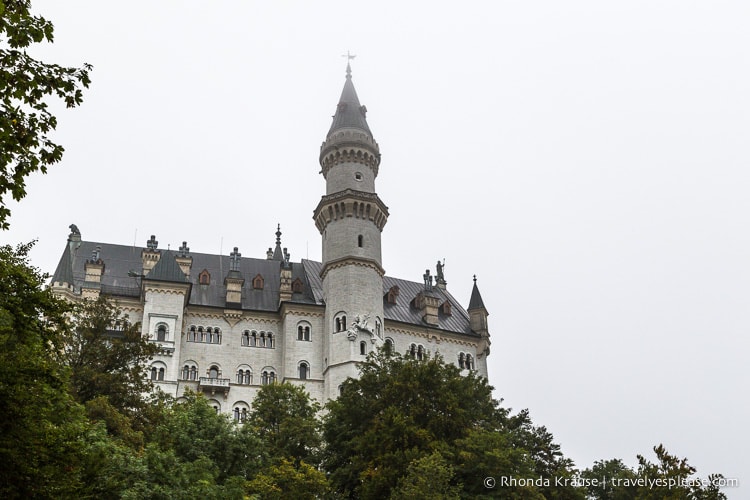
475 279
278 234
349 56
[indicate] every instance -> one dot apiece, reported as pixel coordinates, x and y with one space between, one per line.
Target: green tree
106 355
285 418
669 477
193 431
401 410
428 478
25 86
41 426
285 479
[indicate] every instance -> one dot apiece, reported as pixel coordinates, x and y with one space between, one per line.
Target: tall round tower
350 218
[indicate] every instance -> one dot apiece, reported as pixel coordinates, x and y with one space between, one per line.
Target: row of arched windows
210 335
255 339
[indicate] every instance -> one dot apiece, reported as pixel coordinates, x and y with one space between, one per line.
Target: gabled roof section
167 269
476 301
64 271
349 112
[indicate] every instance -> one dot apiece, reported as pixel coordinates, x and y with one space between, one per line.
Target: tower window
389 350
358 176
363 348
360 241
161 332
303 371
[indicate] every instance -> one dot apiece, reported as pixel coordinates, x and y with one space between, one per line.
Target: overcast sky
587 160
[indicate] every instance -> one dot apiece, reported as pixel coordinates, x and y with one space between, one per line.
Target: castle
228 324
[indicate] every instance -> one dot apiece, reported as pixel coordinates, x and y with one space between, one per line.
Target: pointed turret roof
167 269
64 271
476 301
278 254
349 113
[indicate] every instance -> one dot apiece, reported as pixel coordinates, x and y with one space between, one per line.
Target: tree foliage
106 355
41 426
25 85
285 418
401 411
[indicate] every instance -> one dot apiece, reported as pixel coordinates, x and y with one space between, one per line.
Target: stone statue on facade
359 325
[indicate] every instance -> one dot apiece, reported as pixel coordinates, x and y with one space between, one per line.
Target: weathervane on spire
349 56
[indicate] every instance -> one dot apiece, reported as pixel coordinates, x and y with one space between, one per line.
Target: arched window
161 332
245 340
258 282
194 373
264 378
244 375
343 323
304 369
298 286
204 278
461 361
185 372
271 378
191 334
389 349
213 372
363 348
360 241
303 332
269 342
216 339
262 339
413 351
201 337
253 339
338 325
161 373
469 362
154 373
420 353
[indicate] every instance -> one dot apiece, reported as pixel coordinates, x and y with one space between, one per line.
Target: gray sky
588 160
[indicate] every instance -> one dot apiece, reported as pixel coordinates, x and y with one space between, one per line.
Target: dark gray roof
349 113
120 259
403 311
476 301
167 269
64 271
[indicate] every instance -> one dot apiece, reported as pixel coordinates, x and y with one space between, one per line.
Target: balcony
211 384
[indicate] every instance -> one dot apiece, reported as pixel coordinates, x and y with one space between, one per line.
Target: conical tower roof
349 112
64 271
476 301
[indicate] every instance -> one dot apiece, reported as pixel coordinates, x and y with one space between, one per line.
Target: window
244 375
240 413
420 353
158 370
469 362
304 370
204 278
392 295
363 348
413 351
298 286
258 282
210 335
191 334
389 349
461 361
446 308
268 377
270 340
303 332
253 339
340 323
161 332
360 241
190 371
245 340
213 372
